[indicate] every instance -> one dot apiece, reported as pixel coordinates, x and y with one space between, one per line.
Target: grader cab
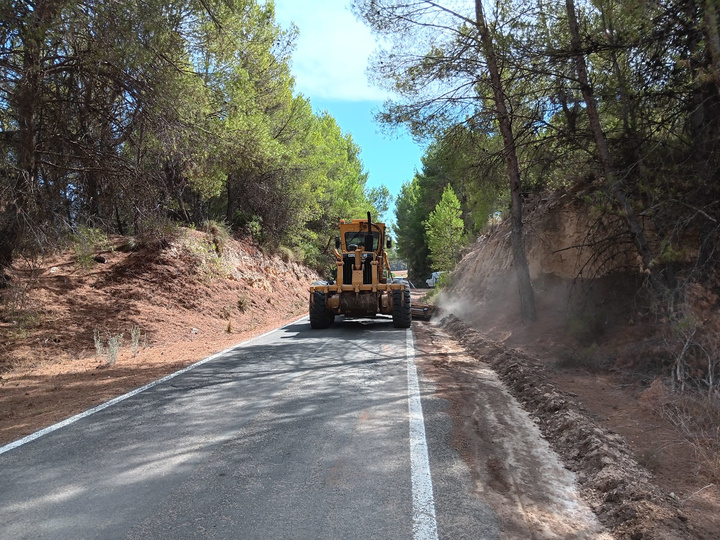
364 286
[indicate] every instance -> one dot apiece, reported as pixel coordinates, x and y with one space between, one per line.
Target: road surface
297 434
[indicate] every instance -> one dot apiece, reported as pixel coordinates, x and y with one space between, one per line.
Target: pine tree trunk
27 98
636 231
8 240
12 218
710 20
522 269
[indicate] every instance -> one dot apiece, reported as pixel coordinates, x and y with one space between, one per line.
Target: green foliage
380 199
653 69
184 112
254 227
135 334
457 158
191 117
445 232
86 242
114 344
411 242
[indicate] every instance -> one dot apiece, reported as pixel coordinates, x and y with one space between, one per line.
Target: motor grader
364 286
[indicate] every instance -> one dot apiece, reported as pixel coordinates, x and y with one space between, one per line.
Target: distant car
432 280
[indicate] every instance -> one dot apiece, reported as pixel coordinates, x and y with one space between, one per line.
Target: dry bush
135 334
697 417
219 234
208 261
155 233
86 242
288 255
694 344
114 344
130 244
97 340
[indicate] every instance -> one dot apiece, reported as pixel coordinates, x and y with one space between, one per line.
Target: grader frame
364 286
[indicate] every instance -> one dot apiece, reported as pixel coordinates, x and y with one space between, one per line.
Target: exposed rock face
577 258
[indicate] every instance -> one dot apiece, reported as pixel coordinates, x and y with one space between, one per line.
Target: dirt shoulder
513 470
625 495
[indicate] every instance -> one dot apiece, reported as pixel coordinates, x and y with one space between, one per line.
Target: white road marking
85 414
424 523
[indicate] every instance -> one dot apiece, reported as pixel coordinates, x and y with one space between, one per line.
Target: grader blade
422 311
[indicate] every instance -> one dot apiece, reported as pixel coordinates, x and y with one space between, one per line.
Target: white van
432 280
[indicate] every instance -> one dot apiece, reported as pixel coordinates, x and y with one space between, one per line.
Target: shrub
114 343
86 242
130 244
287 254
697 417
97 338
209 262
156 232
219 234
135 339
250 224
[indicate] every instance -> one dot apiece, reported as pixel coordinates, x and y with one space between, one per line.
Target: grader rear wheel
402 316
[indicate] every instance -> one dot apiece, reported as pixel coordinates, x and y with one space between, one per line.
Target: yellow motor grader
364 286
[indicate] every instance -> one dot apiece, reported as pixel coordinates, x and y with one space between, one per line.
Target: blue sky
329 66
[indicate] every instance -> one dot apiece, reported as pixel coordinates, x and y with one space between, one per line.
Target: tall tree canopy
118 114
445 63
620 98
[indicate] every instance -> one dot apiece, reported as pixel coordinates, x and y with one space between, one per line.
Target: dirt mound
172 305
618 488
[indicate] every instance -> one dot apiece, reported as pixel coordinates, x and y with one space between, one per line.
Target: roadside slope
596 341
182 302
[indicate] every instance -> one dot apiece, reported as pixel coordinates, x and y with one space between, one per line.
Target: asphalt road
297 434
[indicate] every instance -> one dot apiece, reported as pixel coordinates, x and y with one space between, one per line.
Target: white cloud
332 50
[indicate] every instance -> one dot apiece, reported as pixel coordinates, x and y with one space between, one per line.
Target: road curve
298 434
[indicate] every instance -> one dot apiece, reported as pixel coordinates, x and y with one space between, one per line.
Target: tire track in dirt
617 488
513 469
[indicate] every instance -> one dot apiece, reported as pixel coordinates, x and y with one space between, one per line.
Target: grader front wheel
320 315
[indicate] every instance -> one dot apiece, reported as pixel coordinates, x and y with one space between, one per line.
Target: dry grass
697 417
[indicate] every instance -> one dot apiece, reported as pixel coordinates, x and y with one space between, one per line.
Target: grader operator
364 286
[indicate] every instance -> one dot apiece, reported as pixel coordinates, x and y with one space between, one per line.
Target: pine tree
445 231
